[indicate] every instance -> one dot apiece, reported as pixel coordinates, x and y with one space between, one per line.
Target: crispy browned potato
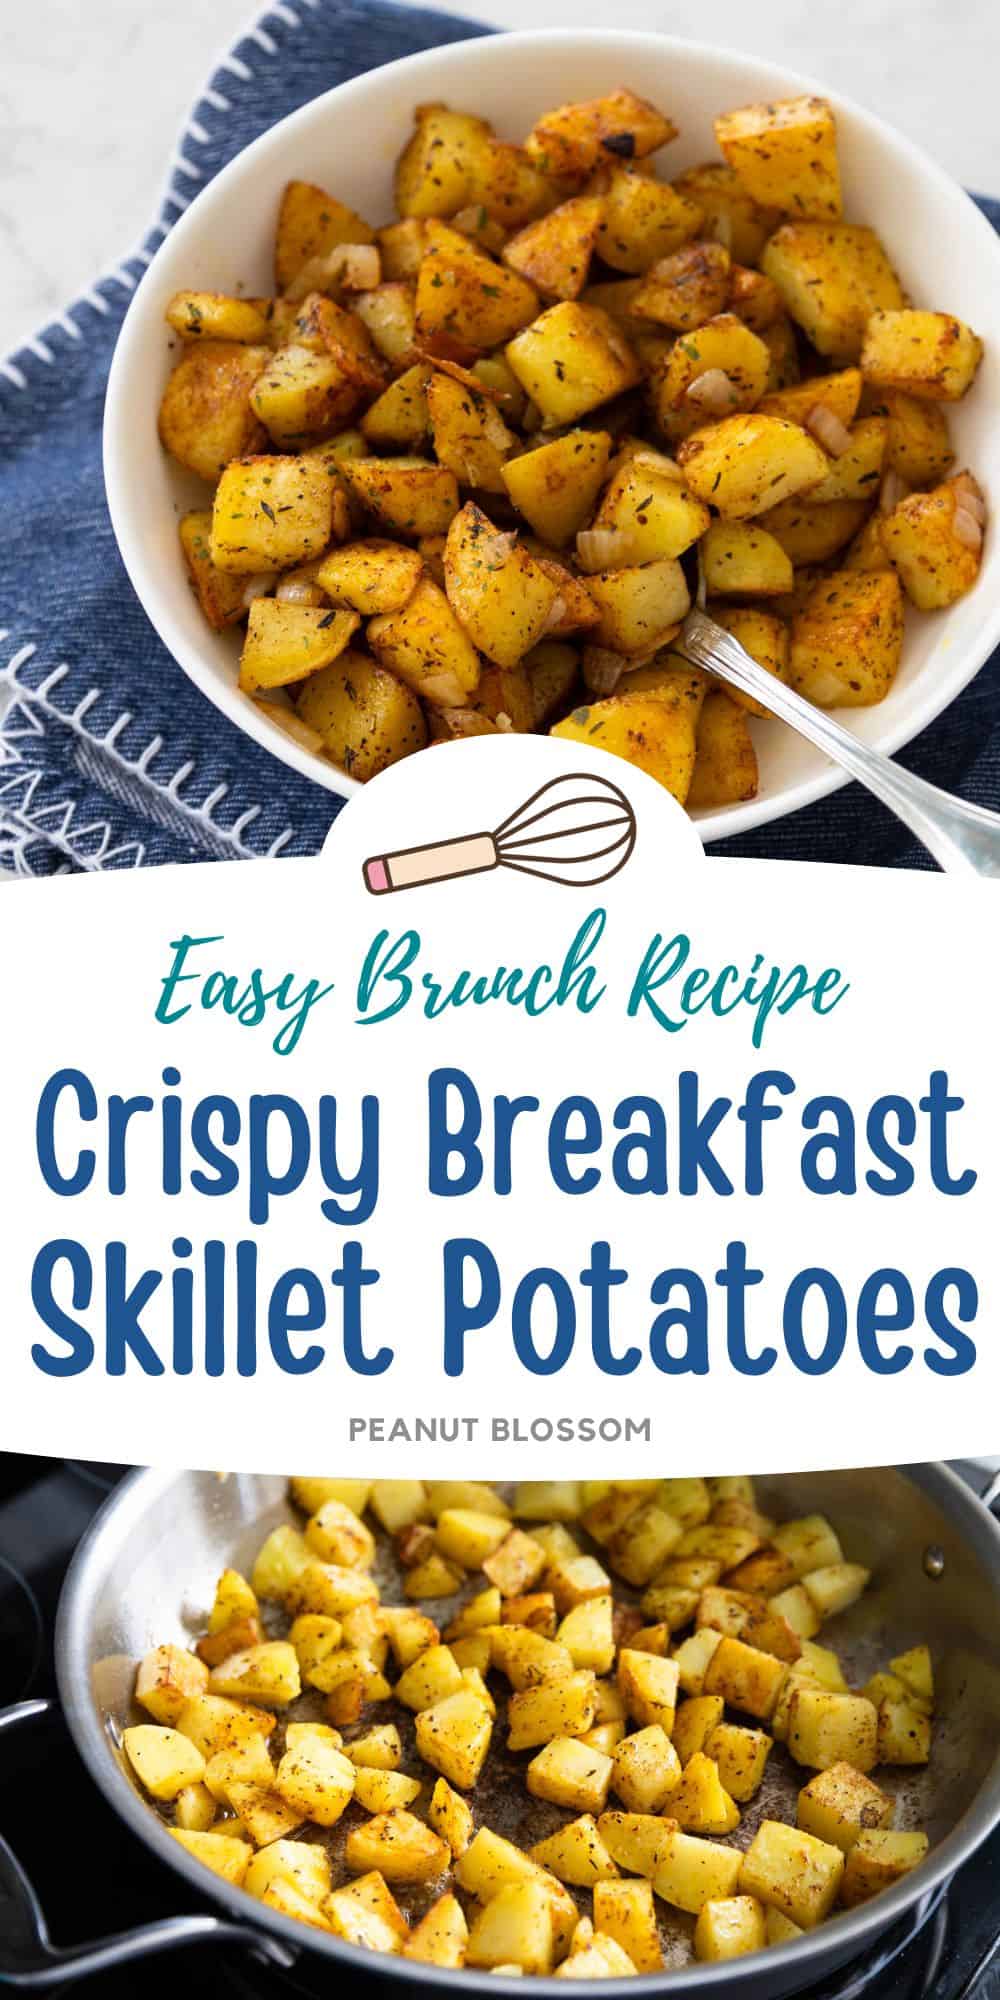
205 416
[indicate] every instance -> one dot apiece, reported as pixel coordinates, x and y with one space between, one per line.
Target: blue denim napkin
109 757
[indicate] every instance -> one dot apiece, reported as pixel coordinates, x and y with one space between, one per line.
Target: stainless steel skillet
145 1573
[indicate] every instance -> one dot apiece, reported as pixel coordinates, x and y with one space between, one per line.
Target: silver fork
963 839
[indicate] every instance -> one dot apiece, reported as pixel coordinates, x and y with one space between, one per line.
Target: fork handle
964 839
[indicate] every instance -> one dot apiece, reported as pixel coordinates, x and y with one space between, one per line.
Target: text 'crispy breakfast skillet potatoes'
542 1729
517 343
462 411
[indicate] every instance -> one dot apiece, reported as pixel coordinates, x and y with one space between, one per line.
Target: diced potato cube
576 1854
287 642
744 561
331 1589
700 1802
840 1803
434 1674
441 1937
195 1809
625 1912
500 594
927 354
515 1564
370 577
570 1773
587 1632
796 1607
649 1687
643 1543
491 1864
847 643
685 289
526 1658
316 1779
467 1537
822 1665
467 303
915 1670
691 1872
729 1927
785 154
644 219
723 345
270 513
414 497
555 486
383 1791
205 418
557 1708
399 1846
365 717
693 1657
839 392
410 1632
164 1761
576 1579
826 1728
725 768
554 252
218 1851
268 1673
214 1724
935 563
280 1561
514 1928
470 435
249 1763
264 1814
451 1817
300 1862
634 1840
918 446
729 212
454 1735
220 596
647 1770
168 1678
835 1587
780 1929
740 1756
550 1500
793 1872
572 140
366 1913
427 647
570 359
746 1678
877 1860
600 1958
904 1733
833 276
694 1723
747 464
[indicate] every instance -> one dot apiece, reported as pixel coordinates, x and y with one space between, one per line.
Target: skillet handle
990 1496
30 1962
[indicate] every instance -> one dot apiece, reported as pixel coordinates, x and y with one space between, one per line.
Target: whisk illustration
578 828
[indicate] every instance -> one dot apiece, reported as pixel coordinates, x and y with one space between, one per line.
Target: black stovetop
92 1878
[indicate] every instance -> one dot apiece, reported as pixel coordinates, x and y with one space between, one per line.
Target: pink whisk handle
443 859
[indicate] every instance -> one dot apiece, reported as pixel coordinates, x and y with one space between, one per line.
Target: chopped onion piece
557 612
828 430
494 549
504 723
894 489
298 590
713 391
602 669
723 230
258 586
966 529
969 495
355 267
604 548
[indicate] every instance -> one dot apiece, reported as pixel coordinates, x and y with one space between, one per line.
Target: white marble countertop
92 98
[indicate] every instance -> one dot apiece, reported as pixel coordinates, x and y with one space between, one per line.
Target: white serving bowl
347 141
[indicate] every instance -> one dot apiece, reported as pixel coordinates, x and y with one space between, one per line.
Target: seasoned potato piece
370 577
267 1673
400 416
206 417
554 252
366 1913
729 1927
640 606
384 1791
556 485
301 393
496 589
928 354
856 473
470 436
686 289
690 1872
647 503
877 1860
754 298
570 1773
491 1864
847 640
214 1724
298 1862
729 212
310 224
401 246
518 1561
434 173
587 1632
411 495
427 647
221 596
785 154
916 1671
570 359
700 1803
526 1658
389 314
746 464
441 1937
270 513
466 1536
647 1770
451 1817
835 1587
556 1708
840 393
218 1851
725 768
398 1846
746 1678
576 1853
213 316
740 1756
832 276
454 1735
168 1679
904 1733
570 142
647 1538
918 445
934 542
165 1761
792 1872
287 642
840 1803
337 1535
625 1912
648 1686
396 1503
810 533
655 734
687 389
827 1728
466 303
644 220
514 1928
195 1809
740 560
766 639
